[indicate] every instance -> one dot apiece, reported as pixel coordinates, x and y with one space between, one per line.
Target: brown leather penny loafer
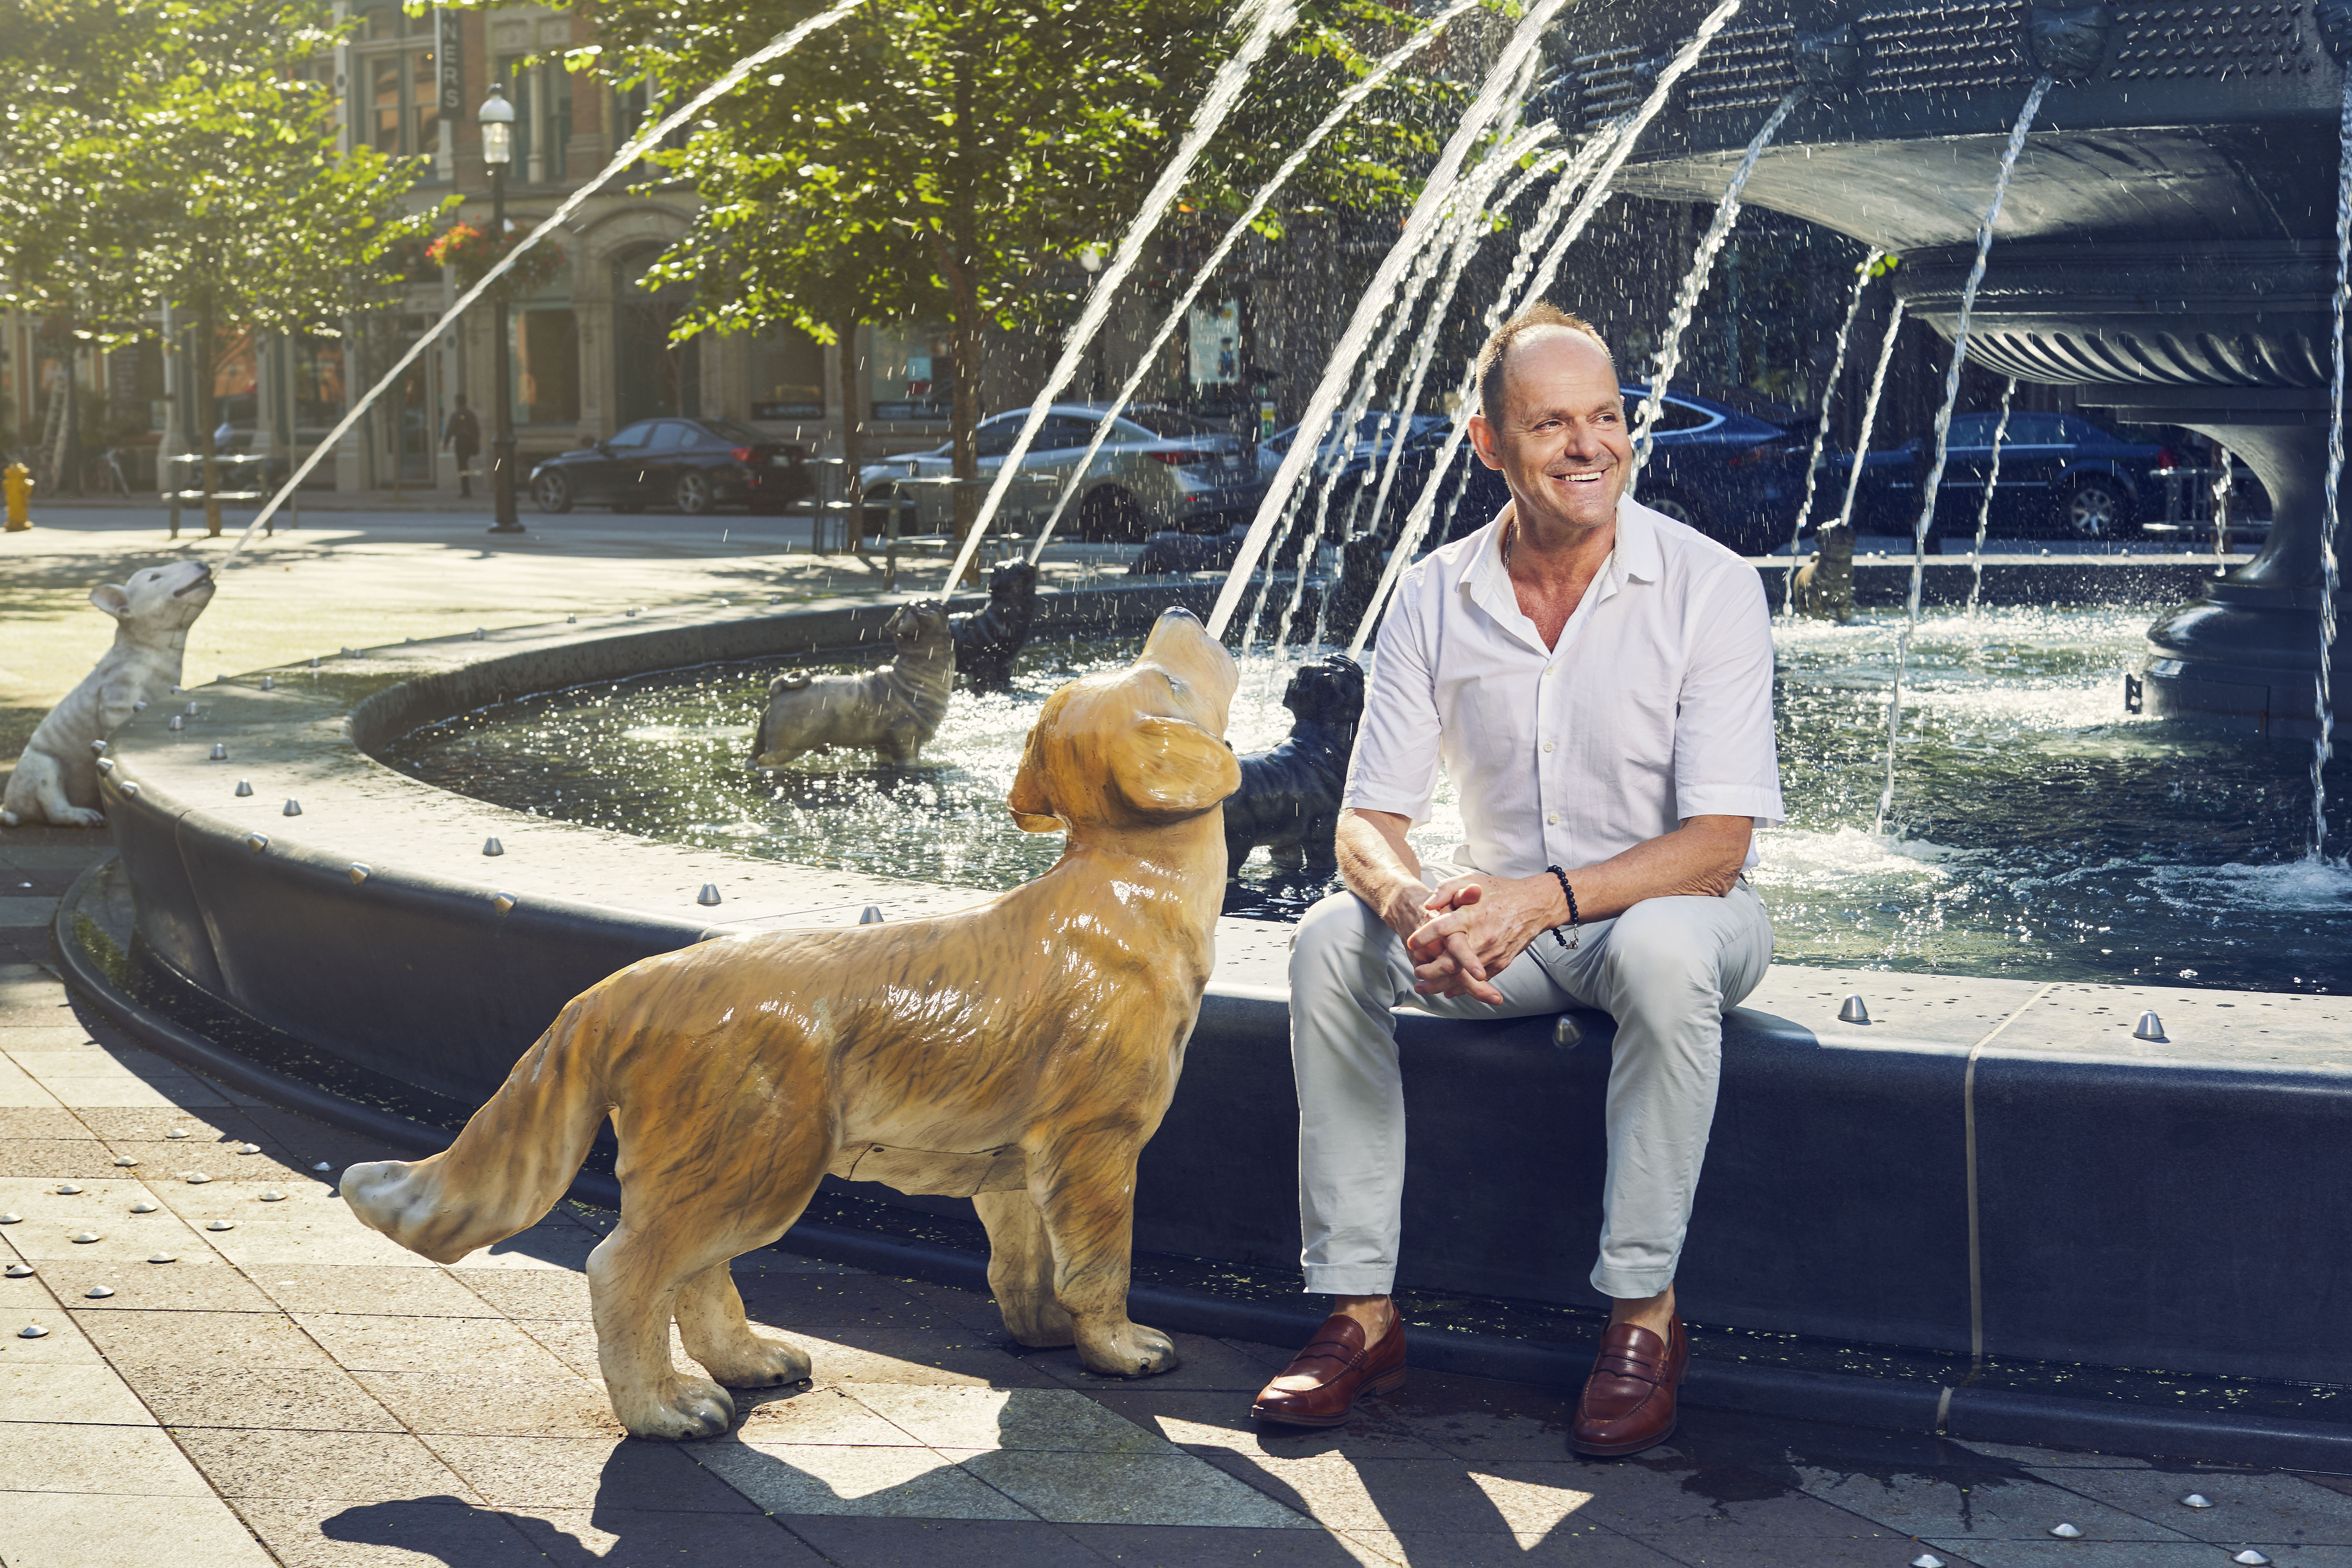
1344 1369
1628 1400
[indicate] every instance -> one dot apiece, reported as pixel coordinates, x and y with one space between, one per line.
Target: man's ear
1173 768
1029 801
111 598
1483 438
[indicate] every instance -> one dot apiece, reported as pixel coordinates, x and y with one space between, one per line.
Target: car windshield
1167 422
739 435
1368 433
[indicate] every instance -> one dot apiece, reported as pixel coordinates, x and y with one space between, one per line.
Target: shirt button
1546 745
1552 817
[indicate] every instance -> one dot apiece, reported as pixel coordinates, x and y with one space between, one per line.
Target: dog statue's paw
79 816
681 1411
759 1362
1126 1350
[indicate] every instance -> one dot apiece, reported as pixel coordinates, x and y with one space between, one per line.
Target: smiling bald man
1596 680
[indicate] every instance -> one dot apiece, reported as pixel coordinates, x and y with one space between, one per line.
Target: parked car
1734 471
2061 476
1158 468
693 465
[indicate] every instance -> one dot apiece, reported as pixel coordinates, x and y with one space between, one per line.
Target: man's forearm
1378 866
1701 858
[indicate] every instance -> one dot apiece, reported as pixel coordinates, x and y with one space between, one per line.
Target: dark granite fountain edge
1915 1399
2133 1191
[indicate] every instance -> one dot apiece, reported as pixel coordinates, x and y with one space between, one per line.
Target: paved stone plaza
296 1389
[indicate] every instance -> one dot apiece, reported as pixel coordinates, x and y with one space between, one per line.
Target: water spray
2323 744
645 142
1935 480
1821 431
1389 65
1267 20
1984 507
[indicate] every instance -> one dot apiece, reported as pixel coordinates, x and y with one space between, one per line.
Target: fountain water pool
2043 833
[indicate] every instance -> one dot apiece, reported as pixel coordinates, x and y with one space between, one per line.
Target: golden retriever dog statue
1020 1053
890 712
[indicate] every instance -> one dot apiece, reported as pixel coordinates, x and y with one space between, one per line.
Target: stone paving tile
84 1394
205 1340
1986 1507
815 1415
588 1472
637 1538
53 1159
20 1121
564 1404
63 1530
821 1301
1028 1418
218 1158
1221 1419
199 1281
526 1292
2098 1555
18 1088
276 1398
2246 1506
1881 1549
314 1466
1589 1547
376 1292
127 1090
210 1125
894 1355
1128 1488
488 1347
63 1344
1206 1363
816 1478
411 1532
1207 1546
122 1461
869 1542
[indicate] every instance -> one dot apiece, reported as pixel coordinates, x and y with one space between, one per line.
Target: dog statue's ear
1028 800
111 598
1171 768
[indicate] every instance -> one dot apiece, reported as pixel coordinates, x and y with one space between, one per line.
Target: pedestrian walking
463 432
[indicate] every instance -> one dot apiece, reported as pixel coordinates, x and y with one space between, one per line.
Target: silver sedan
1157 469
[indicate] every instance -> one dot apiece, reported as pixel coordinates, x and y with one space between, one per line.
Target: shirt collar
1639 553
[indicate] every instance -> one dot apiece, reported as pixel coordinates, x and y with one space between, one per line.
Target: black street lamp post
497 119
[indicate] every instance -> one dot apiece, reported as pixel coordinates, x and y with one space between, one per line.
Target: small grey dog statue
891 711
1289 799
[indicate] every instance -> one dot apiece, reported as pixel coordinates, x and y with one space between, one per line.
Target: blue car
1734 471
2060 477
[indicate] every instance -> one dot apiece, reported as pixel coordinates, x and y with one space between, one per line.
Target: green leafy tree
186 152
948 158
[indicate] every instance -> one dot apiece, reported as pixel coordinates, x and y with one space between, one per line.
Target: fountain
2165 250
1986 1178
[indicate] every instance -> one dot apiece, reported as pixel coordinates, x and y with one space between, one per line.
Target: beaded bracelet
1567 942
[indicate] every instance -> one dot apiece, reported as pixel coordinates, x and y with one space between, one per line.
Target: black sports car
693 465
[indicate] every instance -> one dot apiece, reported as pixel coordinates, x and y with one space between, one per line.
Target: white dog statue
55 779
890 712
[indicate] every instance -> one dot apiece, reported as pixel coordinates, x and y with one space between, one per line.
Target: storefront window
787 375
547 366
397 83
913 370
318 382
1216 339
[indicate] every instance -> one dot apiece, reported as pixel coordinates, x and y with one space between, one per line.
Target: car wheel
693 493
551 492
1110 514
2095 509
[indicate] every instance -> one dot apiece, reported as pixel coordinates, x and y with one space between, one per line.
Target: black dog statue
987 641
1289 799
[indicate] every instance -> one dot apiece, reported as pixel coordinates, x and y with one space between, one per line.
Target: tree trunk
853 487
208 414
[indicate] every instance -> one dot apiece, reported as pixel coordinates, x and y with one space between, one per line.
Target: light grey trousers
1665 970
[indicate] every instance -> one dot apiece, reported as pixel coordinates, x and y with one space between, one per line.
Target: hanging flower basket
473 251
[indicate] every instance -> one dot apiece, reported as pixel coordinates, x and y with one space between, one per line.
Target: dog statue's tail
514 1159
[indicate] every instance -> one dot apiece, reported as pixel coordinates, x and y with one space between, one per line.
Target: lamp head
496 118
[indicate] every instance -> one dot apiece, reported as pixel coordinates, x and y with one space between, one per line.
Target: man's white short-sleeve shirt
1656 706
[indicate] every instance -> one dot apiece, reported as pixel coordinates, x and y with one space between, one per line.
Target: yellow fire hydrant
18 483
